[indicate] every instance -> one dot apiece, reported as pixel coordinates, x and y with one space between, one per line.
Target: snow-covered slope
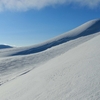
86 29
13 66
74 75
67 69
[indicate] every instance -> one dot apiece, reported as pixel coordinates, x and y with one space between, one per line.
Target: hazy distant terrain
5 46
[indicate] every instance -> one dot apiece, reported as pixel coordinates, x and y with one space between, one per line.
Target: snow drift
63 68
88 28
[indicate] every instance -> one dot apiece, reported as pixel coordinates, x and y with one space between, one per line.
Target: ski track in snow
63 70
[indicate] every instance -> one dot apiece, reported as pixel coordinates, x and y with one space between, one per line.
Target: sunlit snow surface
64 68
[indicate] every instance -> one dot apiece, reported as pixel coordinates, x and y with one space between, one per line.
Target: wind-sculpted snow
74 75
14 66
63 68
86 29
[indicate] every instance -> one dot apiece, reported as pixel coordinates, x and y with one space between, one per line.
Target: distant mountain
4 46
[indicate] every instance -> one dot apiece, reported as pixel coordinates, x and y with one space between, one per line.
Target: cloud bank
23 5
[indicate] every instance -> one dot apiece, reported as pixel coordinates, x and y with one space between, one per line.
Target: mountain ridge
88 28
93 27
73 75
17 65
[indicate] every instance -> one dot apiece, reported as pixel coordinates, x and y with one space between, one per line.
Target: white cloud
38 4
89 3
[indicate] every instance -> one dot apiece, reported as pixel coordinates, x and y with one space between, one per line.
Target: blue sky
33 22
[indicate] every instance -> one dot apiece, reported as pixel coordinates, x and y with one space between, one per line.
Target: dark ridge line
89 31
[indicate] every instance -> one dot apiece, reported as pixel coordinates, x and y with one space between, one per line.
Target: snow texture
63 68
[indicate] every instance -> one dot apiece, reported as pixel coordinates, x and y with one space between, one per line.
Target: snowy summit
63 68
